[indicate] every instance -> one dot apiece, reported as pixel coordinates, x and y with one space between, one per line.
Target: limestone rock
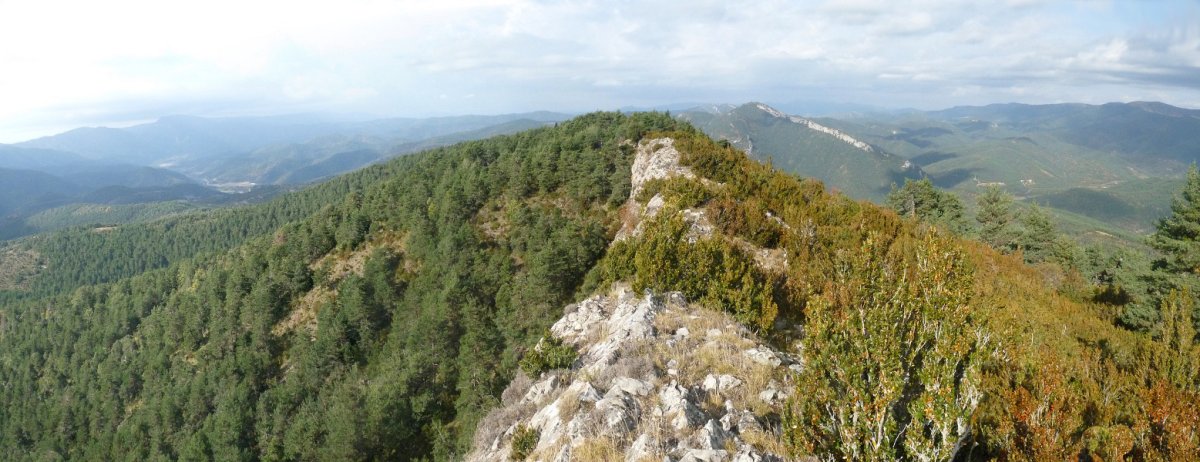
630 386
642 448
705 455
764 356
636 384
712 436
678 407
722 382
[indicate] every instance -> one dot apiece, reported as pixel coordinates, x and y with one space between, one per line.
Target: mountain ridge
419 287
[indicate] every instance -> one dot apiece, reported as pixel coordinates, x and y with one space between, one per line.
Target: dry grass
304 312
516 389
17 267
631 362
713 403
549 451
599 449
765 441
568 405
699 355
342 264
498 422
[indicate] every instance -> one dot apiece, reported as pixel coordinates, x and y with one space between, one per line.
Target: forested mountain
1096 161
380 315
13 157
265 150
329 155
30 192
89 168
1106 169
805 147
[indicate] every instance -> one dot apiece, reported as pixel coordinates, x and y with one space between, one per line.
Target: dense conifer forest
381 314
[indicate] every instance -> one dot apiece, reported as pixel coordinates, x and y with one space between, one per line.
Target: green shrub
550 353
684 192
524 441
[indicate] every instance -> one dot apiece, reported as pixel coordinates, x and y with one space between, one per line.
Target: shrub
550 353
893 358
524 441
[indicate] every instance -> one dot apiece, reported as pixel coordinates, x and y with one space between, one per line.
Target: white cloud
105 62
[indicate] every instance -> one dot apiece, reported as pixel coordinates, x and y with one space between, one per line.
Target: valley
1067 158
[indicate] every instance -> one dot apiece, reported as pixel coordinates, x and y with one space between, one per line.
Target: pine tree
921 200
1178 238
995 217
1040 241
1178 235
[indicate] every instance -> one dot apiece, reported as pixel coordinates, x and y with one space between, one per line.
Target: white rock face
657 159
838 134
643 386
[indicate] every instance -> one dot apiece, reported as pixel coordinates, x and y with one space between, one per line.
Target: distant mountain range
1117 163
1112 166
806 147
201 159
270 150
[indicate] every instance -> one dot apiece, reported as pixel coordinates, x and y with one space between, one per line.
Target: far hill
806 147
329 155
176 139
56 179
1116 163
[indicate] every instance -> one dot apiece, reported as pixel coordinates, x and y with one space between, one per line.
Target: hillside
805 147
28 193
272 150
383 314
1114 162
237 160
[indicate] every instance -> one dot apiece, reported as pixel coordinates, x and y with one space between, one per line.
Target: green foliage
524 441
683 192
996 219
370 317
1040 241
1178 333
380 315
82 214
550 353
921 200
749 220
1178 235
709 270
893 353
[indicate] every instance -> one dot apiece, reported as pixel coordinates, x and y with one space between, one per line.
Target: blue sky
72 63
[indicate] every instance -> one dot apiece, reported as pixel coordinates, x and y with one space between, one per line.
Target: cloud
105 60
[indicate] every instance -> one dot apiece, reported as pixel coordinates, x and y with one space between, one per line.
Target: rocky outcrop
838 134
657 159
657 378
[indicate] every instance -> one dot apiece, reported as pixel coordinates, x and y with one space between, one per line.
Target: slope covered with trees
918 345
380 315
380 326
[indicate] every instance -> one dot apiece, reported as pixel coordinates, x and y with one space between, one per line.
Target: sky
65 64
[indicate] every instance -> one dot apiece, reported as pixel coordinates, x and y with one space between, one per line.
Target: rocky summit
657 378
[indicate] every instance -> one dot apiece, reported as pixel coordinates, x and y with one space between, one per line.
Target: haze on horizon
126 61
